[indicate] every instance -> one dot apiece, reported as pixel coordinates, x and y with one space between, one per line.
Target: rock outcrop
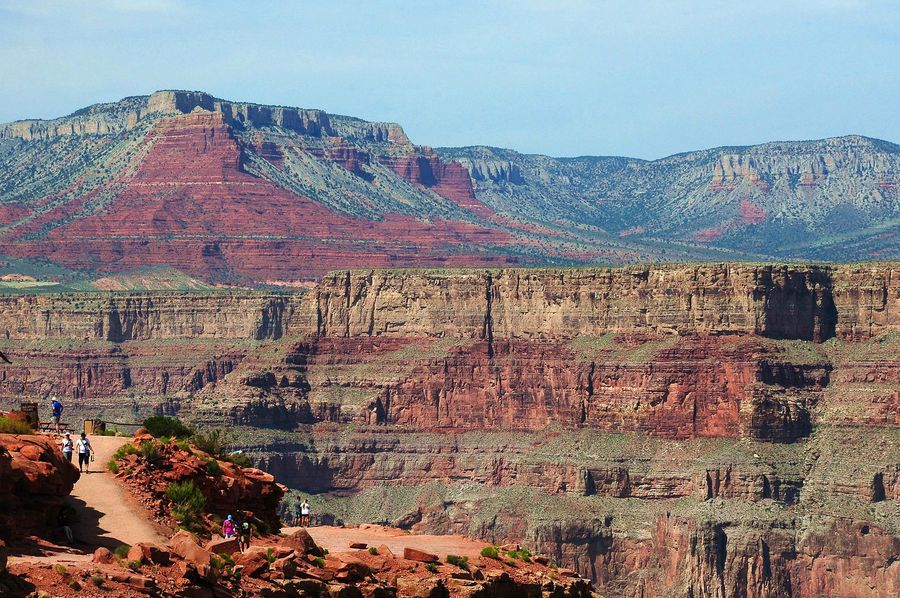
228 489
35 479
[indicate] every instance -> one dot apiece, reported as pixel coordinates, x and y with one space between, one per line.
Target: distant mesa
248 194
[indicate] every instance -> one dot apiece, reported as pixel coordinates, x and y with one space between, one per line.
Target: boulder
253 560
352 570
384 551
301 542
284 568
413 587
103 556
358 545
223 545
148 552
185 545
414 554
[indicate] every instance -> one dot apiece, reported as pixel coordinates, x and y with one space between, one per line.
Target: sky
641 78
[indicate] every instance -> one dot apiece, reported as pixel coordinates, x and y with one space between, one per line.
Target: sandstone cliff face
121 317
792 302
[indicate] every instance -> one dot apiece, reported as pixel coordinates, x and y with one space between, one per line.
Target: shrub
490 552
523 554
151 453
121 551
61 569
113 466
431 567
460 561
160 425
227 558
213 468
126 449
14 426
270 555
134 565
240 459
216 562
212 443
319 562
187 502
373 550
97 580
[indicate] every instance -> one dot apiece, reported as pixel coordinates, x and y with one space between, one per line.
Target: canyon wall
793 302
120 317
678 430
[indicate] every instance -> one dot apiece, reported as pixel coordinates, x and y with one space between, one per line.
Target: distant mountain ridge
238 192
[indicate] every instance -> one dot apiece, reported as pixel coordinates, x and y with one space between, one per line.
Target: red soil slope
190 204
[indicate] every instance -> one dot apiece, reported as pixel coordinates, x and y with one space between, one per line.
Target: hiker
304 513
67 447
57 408
85 450
245 533
228 527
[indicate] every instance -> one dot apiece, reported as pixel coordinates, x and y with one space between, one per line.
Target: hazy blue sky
561 77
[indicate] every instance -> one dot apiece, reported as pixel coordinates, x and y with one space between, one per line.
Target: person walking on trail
304 513
84 453
68 447
245 532
228 527
57 409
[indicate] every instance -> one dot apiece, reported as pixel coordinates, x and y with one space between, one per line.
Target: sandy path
107 514
338 539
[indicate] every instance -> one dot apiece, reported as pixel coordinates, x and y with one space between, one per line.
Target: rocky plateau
690 430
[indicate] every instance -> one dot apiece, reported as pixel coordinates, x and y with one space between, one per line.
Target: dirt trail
338 539
107 514
96 494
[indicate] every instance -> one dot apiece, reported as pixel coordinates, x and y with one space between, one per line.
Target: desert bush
162 426
270 555
134 565
213 468
240 459
113 466
126 449
187 502
212 443
151 453
121 551
319 562
431 567
490 552
14 426
373 550
460 561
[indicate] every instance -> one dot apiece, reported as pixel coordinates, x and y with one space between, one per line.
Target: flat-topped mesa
304 121
120 317
126 114
777 301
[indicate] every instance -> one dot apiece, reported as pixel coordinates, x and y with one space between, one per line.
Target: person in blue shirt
57 413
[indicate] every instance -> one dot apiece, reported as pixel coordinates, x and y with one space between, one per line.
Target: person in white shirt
304 513
84 453
68 447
